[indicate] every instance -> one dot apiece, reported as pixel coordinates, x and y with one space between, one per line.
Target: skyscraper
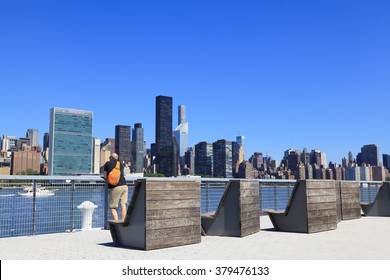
386 161
222 159
369 155
166 159
241 142
46 138
204 159
138 148
122 143
70 142
32 134
181 132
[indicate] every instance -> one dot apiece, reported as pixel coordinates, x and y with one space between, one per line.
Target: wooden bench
311 208
238 211
348 200
162 213
381 204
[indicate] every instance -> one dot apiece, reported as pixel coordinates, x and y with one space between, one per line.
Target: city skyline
283 75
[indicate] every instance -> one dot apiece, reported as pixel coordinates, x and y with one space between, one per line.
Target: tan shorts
119 193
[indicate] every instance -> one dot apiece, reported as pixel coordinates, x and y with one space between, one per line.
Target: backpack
114 175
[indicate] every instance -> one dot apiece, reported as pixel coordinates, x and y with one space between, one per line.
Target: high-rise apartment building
241 142
138 148
46 138
32 134
96 156
123 143
369 155
204 159
181 132
190 160
166 159
70 142
222 162
8 144
386 161
106 149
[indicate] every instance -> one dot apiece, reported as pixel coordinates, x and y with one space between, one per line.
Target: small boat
40 192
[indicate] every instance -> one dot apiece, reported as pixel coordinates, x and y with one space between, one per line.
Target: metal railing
31 205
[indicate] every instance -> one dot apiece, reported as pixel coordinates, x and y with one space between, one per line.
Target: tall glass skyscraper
204 159
181 132
123 143
222 159
166 158
70 142
138 147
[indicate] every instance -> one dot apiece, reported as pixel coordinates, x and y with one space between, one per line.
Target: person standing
118 193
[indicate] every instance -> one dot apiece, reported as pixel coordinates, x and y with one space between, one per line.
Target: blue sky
285 74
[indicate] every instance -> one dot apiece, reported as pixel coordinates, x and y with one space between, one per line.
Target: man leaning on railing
119 192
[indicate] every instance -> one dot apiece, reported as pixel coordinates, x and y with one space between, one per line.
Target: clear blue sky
285 74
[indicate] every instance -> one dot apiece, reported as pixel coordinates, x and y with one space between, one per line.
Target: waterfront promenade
362 239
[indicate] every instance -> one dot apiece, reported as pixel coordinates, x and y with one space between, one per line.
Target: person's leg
123 211
123 199
114 201
114 213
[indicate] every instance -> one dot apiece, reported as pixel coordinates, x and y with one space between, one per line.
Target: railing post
207 197
260 200
369 192
105 205
276 196
72 226
34 206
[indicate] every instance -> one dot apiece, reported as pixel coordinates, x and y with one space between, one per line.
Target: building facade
123 143
70 142
33 135
204 159
166 159
138 148
369 155
181 132
26 162
222 159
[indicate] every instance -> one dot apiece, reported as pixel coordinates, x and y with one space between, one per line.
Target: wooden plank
173 186
350 198
321 192
321 213
249 192
320 184
250 222
250 207
322 220
172 213
169 204
250 215
350 214
172 242
172 195
322 199
172 232
351 206
323 227
250 230
249 200
171 223
319 206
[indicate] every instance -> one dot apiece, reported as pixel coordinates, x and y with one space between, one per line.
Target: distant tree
28 172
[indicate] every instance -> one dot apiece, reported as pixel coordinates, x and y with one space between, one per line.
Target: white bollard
87 208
